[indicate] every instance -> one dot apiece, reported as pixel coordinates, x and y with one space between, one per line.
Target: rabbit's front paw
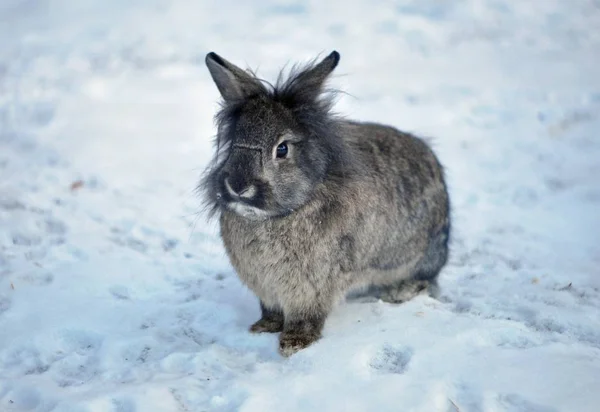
268 325
271 320
299 334
291 342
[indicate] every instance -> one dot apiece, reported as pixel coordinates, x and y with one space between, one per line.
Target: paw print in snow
391 359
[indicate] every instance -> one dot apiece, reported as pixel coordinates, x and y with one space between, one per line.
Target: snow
116 294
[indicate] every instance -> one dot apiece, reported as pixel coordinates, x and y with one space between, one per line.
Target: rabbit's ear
316 76
233 83
307 85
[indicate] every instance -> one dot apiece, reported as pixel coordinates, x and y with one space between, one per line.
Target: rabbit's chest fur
285 259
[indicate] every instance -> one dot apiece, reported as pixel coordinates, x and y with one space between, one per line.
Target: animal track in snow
80 362
391 359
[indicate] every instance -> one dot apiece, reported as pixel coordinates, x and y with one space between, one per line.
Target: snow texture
116 294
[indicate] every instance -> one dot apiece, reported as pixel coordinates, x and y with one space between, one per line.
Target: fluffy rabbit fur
312 206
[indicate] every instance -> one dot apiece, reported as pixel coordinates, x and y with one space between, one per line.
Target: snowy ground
115 295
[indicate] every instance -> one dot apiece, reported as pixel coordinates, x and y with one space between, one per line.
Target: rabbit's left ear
233 83
307 85
316 76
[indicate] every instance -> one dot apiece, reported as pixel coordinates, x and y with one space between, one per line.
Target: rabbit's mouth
248 212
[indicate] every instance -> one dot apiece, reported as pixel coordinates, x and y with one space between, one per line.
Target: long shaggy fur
312 206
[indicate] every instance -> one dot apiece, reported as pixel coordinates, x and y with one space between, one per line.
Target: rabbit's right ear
233 83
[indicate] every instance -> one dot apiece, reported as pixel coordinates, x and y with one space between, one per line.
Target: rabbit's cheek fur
290 190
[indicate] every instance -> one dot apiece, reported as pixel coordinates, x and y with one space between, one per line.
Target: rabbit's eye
281 151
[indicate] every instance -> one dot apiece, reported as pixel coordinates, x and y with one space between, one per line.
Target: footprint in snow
79 361
392 359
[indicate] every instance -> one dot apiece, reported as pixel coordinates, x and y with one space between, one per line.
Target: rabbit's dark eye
281 151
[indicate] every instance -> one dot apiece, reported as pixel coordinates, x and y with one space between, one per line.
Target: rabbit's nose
246 192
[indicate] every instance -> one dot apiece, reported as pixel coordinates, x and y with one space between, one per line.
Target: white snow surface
116 293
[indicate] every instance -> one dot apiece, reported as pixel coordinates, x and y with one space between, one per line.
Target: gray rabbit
312 206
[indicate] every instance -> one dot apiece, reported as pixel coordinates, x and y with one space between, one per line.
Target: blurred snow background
116 295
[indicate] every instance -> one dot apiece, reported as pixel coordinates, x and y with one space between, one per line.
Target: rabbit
312 206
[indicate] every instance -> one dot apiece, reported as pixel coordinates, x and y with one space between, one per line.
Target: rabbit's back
403 193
